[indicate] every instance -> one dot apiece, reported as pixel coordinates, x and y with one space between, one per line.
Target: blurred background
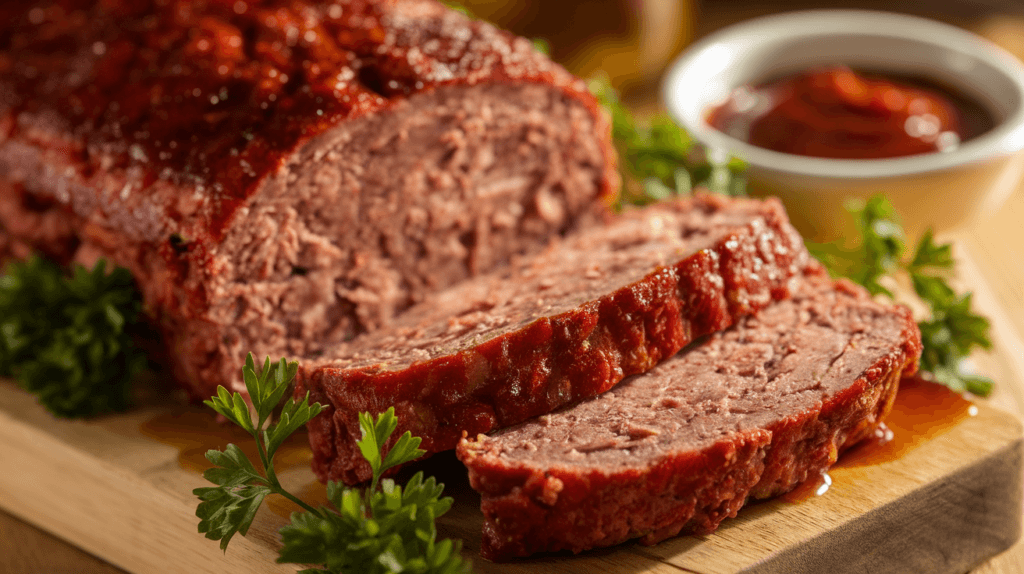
634 40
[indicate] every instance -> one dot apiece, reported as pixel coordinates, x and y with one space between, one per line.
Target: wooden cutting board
120 488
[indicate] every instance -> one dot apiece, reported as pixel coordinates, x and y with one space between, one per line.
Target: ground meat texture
281 176
750 412
550 330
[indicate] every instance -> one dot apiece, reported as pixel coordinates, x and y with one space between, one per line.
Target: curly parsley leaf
457 7
294 415
69 340
930 255
882 244
541 45
396 534
659 159
230 507
951 331
375 435
385 529
231 406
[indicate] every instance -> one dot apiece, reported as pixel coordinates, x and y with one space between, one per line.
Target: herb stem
367 534
279 490
273 481
370 491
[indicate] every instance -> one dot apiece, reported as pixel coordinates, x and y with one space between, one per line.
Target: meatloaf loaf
286 174
602 304
748 413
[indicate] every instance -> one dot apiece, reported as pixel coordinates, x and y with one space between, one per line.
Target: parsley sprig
68 339
231 506
660 159
952 330
387 528
667 161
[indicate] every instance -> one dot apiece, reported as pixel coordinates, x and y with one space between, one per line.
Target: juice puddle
193 432
922 411
814 486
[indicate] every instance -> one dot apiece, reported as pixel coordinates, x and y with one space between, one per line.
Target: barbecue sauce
835 112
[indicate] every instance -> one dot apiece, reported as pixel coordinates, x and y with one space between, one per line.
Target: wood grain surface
119 487
153 475
50 521
27 549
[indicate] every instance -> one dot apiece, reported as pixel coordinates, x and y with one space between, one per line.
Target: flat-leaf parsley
951 331
386 528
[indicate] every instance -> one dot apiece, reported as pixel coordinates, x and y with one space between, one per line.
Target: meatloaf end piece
750 412
602 304
285 175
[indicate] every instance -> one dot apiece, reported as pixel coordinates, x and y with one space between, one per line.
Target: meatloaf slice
550 330
750 412
286 174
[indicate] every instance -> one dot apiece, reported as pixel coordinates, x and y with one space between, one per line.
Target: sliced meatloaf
602 304
750 412
286 174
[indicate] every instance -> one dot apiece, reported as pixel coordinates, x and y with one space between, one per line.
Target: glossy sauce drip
921 411
194 432
817 485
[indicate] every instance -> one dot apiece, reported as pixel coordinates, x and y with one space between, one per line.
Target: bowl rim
1005 138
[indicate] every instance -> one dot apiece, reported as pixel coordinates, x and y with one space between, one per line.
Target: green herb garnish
952 330
457 7
385 529
660 158
68 340
541 45
659 155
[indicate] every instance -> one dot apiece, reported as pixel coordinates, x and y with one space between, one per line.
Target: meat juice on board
922 411
193 432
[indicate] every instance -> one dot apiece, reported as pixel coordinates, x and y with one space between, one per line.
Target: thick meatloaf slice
604 303
748 413
284 175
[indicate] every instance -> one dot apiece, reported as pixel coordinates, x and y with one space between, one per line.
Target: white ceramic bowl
941 190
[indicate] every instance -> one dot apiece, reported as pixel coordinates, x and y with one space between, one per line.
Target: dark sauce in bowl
835 112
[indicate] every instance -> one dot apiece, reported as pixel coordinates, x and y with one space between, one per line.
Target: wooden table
996 248
995 252
989 255
992 265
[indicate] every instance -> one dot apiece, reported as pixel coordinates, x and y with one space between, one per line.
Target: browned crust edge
688 492
562 359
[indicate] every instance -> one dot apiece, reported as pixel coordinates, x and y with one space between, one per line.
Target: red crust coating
216 95
537 507
556 360
145 132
